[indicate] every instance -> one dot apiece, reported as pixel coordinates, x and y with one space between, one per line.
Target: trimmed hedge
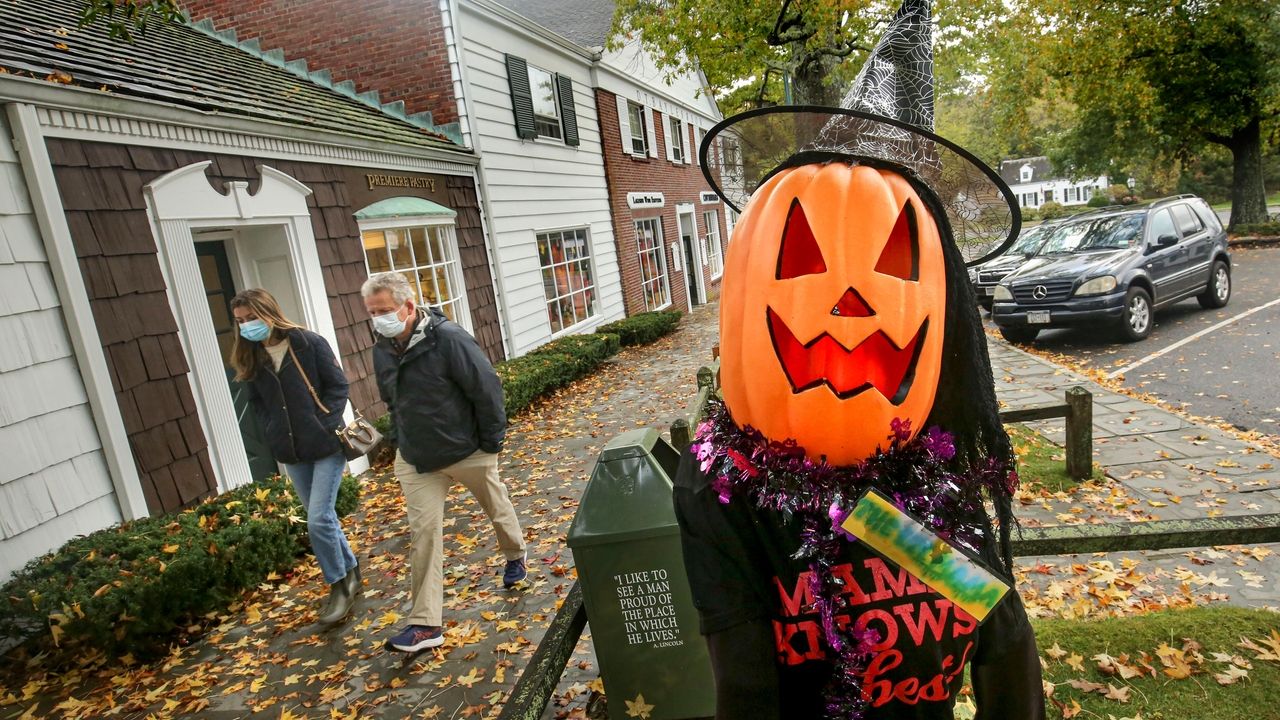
644 328
551 366
1266 229
129 588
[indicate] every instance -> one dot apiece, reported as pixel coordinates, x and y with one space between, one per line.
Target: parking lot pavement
1213 363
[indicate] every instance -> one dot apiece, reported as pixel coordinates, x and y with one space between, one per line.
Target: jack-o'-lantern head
833 310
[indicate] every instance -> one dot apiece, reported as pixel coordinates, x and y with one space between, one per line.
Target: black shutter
521 98
569 116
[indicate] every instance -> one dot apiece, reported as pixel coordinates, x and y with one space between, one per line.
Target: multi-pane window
714 253
698 134
675 138
653 264
639 138
427 255
546 113
567 280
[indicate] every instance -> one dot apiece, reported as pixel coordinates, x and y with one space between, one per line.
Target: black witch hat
886 120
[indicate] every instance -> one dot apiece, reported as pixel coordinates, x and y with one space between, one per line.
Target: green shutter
521 98
568 116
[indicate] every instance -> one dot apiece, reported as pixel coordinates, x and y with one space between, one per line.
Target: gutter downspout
51 219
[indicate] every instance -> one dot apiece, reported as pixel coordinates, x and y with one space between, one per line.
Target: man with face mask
447 414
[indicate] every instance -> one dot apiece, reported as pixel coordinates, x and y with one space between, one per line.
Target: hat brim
982 210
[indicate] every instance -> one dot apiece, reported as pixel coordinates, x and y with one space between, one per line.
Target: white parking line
1164 351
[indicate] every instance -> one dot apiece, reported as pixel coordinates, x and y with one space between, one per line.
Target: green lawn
1135 642
1041 464
1272 199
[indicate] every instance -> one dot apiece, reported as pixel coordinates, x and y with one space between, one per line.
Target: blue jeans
317 485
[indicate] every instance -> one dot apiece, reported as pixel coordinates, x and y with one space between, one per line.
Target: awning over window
398 207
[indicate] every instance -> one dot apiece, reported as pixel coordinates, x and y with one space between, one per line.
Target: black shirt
740 570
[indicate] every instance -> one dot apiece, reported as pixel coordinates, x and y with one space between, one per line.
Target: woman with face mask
299 393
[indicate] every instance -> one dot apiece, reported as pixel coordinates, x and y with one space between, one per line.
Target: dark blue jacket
445 398
296 429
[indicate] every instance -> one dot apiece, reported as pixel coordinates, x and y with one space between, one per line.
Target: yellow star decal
638 708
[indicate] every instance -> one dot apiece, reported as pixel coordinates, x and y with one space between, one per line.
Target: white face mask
389 324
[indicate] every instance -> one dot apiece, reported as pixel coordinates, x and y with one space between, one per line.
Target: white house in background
546 197
1034 183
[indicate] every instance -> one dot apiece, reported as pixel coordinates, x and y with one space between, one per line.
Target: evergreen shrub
644 328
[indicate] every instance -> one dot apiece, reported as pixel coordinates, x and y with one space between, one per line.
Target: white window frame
452 266
715 252
676 151
660 252
593 305
698 134
636 112
1025 173
555 105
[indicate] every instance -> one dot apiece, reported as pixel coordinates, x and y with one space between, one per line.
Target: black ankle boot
352 580
339 604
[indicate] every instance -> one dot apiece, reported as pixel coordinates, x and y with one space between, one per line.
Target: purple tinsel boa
917 473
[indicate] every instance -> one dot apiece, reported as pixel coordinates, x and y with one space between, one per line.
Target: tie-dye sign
885 528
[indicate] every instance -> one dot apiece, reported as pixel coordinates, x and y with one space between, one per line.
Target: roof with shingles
585 22
1041 170
184 66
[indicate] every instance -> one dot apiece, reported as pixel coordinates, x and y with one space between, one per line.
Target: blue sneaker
416 638
514 572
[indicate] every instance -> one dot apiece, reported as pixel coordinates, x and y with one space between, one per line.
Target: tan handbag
359 437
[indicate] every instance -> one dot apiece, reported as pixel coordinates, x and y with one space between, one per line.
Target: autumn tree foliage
1150 84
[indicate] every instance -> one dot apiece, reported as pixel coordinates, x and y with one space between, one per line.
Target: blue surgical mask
255 330
389 324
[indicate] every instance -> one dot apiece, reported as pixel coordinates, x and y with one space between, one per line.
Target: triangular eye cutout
800 254
852 305
901 255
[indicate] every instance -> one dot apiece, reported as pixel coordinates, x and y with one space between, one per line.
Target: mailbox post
626 546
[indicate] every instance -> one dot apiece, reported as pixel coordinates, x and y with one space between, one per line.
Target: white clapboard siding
536 185
54 482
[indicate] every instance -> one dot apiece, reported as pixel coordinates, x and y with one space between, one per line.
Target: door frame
692 264
183 201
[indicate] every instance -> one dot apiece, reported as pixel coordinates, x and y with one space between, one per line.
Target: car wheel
1219 290
1019 334
1138 315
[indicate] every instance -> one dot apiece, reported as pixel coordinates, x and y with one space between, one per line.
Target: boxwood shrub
643 328
551 366
127 589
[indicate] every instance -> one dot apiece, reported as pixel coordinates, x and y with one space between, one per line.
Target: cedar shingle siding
101 188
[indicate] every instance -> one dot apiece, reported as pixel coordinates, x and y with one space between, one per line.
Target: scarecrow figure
834 507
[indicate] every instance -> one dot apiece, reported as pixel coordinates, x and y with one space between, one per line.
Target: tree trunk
809 83
1248 195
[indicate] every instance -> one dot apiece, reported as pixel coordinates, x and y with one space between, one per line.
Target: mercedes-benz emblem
1040 292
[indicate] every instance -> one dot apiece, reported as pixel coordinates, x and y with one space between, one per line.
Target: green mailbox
626 546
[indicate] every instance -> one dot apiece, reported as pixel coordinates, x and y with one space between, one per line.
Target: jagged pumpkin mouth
877 362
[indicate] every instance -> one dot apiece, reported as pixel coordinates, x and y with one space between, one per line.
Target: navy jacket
445 398
296 430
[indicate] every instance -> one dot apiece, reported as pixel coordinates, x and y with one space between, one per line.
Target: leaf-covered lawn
1218 663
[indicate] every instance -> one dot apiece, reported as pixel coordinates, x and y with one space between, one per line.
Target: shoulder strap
305 379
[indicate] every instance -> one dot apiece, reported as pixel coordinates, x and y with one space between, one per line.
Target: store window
653 264
714 252
426 253
567 278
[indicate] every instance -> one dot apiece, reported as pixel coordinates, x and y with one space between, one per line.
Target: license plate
1038 317
989 290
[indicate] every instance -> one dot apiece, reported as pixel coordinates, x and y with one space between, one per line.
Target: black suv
986 276
1117 267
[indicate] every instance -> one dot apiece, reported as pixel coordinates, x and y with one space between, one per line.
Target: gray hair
392 282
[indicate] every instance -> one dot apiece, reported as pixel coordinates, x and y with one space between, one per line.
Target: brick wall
678 182
390 46
101 187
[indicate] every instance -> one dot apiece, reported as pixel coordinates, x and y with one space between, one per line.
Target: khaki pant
424 496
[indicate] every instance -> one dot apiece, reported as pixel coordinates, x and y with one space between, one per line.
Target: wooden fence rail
1078 410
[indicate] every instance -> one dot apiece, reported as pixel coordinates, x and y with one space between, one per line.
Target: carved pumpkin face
832 310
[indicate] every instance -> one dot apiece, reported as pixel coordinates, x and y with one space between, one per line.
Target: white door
262 252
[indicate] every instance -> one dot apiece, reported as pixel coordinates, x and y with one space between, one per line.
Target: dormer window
1025 175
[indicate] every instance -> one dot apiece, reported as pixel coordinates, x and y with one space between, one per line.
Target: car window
1115 232
1161 224
1207 216
1028 241
1188 223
